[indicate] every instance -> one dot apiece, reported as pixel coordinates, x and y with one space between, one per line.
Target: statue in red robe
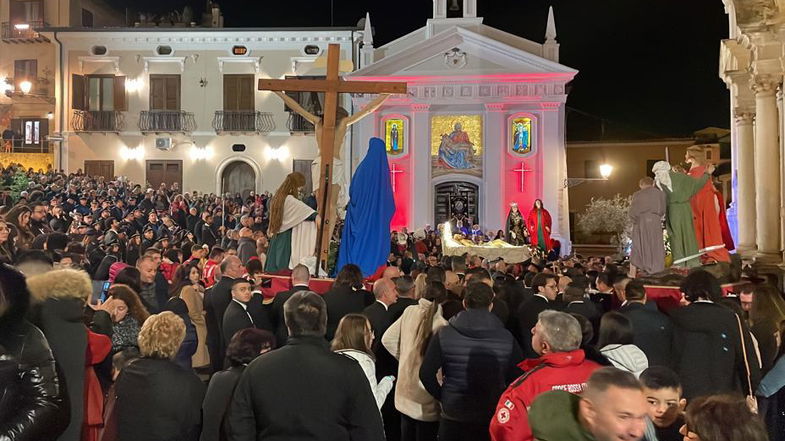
706 212
538 222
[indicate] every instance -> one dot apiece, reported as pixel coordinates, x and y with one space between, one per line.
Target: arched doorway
238 177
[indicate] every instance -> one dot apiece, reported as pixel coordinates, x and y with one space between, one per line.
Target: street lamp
25 87
605 172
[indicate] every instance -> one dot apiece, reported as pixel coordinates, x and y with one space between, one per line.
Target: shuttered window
238 92
98 93
164 92
25 70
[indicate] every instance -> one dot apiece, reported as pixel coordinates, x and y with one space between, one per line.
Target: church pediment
462 52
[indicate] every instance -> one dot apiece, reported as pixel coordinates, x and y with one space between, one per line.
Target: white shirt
386 307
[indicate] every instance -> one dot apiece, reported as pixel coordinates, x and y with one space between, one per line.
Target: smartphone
104 291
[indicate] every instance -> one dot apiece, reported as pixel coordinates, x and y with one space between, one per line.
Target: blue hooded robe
366 234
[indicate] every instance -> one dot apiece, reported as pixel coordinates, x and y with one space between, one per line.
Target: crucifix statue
522 170
394 170
330 132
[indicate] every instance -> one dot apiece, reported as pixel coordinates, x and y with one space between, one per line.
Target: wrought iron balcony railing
97 121
243 121
297 123
20 145
22 31
166 121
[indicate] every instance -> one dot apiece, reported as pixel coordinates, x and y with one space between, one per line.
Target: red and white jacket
567 371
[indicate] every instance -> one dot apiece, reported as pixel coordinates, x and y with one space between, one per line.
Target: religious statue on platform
707 212
292 231
647 210
456 149
516 226
539 225
339 193
679 189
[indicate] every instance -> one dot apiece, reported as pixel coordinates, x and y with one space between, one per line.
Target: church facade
482 125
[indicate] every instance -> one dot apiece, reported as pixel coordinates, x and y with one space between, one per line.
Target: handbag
752 402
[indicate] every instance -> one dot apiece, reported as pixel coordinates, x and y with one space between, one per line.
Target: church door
456 200
238 177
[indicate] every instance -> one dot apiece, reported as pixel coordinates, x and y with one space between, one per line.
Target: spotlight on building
26 87
606 170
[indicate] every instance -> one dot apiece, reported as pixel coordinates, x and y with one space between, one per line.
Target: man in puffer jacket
478 358
561 366
31 403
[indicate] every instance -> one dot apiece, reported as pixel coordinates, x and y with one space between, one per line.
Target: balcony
166 121
18 145
242 121
22 32
101 121
298 124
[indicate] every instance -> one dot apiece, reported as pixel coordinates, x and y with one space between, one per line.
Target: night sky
646 66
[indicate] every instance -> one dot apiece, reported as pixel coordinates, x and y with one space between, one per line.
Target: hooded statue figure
366 234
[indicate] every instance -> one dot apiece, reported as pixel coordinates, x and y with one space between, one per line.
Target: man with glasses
39 221
545 288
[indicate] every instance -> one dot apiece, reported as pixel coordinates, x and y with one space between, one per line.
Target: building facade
27 71
483 124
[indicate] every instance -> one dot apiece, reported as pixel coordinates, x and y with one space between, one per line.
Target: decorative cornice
99 59
420 107
495 107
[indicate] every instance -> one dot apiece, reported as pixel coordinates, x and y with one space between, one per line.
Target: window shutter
230 92
246 93
78 92
157 93
173 92
120 99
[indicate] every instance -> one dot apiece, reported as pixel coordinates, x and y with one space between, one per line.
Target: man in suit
237 316
545 287
404 288
300 280
577 303
215 303
272 398
378 312
653 330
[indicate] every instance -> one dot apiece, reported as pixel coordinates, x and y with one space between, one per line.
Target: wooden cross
522 170
331 86
394 170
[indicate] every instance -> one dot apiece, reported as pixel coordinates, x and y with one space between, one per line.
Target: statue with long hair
516 226
292 231
539 224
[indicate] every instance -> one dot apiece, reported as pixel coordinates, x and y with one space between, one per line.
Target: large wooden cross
331 87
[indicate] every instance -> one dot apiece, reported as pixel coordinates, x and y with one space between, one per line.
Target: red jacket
209 273
566 371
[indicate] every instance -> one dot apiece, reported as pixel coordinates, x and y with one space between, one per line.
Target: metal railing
18 145
243 121
164 121
97 121
21 31
297 123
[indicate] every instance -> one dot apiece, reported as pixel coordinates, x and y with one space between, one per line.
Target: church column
745 177
420 154
494 175
767 168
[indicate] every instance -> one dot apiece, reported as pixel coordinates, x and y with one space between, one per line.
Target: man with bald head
300 280
246 246
378 313
391 272
216 300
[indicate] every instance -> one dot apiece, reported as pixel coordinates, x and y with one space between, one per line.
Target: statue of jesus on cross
330 131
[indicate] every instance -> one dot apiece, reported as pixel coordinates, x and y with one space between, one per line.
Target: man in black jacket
237 316
478 359
300 280
303 390
545 288
653 330
404 287
578 303
215 303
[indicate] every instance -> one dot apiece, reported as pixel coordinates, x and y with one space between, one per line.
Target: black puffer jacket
478 358
30 395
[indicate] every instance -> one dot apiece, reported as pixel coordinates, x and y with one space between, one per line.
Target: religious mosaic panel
456 145
521 136
395 136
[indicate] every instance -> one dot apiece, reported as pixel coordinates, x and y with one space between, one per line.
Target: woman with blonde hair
291 237
420 285
354 338
157 399
407 339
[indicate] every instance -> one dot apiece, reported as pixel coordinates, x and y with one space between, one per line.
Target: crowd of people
132 313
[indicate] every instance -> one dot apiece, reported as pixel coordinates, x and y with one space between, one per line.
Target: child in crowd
662 389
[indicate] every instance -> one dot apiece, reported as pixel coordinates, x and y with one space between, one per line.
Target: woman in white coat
353 338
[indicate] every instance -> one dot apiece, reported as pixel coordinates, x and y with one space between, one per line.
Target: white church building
482 125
